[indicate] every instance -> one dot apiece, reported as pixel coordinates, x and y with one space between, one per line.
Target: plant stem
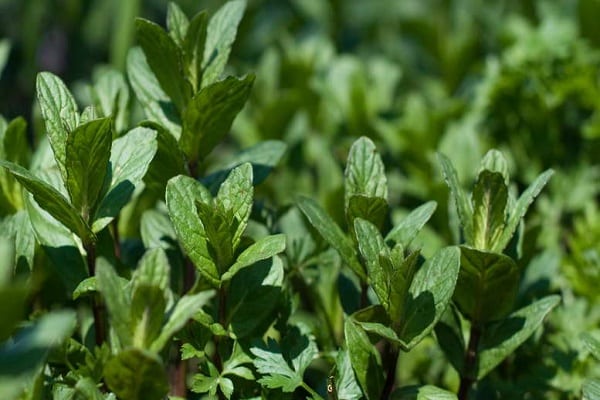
391 355
313 394
90 250
467 380
116 238
177 374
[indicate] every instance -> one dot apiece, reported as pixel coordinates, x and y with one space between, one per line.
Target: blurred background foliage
416 76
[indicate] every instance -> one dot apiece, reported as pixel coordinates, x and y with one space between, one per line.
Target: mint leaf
177 23
409 227
265 248
193 48
490 197
463 205
117 299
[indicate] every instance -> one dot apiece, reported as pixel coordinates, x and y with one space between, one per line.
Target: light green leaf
4 52
365 359
130 158
19 227
87 155
193 48
88 389
14 148
265 248
116 298
490 196
156 104
136 374
111 94
60 114
148 305
427 392
429 294
365 173
487 285
181 195
345 383
592 344
220 35
156 230
153 269
463 205
166 61
235 196
181 313
332 233
210 113
591 390
494 161
177 23
409 227
51 201
87 286
502 338
520 208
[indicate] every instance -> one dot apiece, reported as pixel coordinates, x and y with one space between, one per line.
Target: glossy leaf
87 155
220 34
210 113
60 114
135 374
332 233
263 249
490 196
502 338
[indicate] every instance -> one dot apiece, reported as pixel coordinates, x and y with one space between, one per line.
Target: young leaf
156 104
263 249
116 298
235 194
148 305
365 173
193 48
181 195
220 35
60 114
409 227
177 23
135 374
365 360
429 294
494 161
165 60
463 205
87 154
111 94
501 338
520 208
332 234
372 209
210 113
130 158
51 200
490 196
487 285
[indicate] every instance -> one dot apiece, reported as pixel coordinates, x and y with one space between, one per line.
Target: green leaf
449 334
520 208
14 148
253 297
463 205
165 60
130 158
156 230
111 94
135 374
591 390
181 194
210 113
502 338
51 200
87 155
220 35
365 359
487 285
19 227
235 195
181 313
156 104
263 249
60 114
284 367
148 305
345 383
365 173
494 161
592 344
407 230
116 298
87 388
177 23
427 392
4 53
87 286
193 48
13 296
490 196
332 233
372 209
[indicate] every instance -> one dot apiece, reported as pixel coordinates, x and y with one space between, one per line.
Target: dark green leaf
165 60
501 338
51 200
210 113
60 114
490 196
87 154
135 374
220 35
332 233
365 360
181 194
449 334
487 285
372 209
193 48
265 248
